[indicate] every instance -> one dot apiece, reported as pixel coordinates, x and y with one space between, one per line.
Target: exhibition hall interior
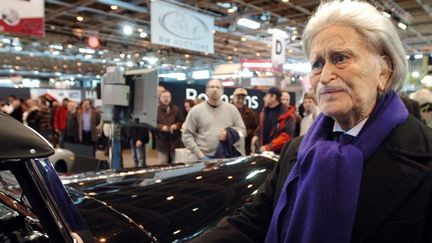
295 121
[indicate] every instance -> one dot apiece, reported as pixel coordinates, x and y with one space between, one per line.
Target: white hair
377 30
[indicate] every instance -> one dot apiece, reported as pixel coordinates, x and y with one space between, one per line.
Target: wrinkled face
308 105
285 98
214 90
346 74
239 100
165 98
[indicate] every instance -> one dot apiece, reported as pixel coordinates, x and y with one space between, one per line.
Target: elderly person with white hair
362 173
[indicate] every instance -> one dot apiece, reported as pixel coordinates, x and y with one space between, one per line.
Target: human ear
385 72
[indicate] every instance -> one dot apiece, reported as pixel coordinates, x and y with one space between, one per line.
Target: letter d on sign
191 94
278 47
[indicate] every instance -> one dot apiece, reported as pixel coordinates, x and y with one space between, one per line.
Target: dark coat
137 133
95 120
395 202
167 116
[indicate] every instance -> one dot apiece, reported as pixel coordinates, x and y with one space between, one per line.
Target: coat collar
390 175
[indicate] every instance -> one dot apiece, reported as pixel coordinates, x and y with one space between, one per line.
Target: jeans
138 153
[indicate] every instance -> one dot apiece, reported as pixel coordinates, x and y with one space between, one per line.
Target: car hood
180 202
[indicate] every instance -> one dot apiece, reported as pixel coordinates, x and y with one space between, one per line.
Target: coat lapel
388 178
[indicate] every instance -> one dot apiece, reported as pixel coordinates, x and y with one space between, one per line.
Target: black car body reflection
174 204
154 204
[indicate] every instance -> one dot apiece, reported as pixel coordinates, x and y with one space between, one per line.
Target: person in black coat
363 171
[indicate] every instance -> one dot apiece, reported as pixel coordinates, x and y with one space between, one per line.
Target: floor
152 156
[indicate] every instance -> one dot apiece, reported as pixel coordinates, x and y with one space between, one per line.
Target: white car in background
62 160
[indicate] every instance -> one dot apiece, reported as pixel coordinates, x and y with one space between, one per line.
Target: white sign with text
178 27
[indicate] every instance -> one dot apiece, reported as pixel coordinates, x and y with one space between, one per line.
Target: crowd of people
209 129
57 122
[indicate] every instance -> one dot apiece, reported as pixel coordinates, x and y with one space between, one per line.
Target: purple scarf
319 199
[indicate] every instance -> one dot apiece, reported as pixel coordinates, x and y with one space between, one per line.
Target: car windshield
10 187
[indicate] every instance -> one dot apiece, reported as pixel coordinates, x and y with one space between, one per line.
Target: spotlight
402 25
127 30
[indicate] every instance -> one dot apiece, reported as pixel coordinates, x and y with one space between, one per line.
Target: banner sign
182 91
178 27
278 50
256 64
58 94
263 81
22 16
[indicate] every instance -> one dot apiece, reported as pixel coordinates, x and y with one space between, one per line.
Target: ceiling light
152 60
80 18
129 64
187 55
69 46
243 39
201 74
418 56
140 30
178 76
285 1
213 31
114 7
127 30
206 53
258 54
248 23
264 17
229 57
402 25
304 67
232 9
386 14
143 35
87 50
224 5
415 74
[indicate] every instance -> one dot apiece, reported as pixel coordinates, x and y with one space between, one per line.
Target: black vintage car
160 204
